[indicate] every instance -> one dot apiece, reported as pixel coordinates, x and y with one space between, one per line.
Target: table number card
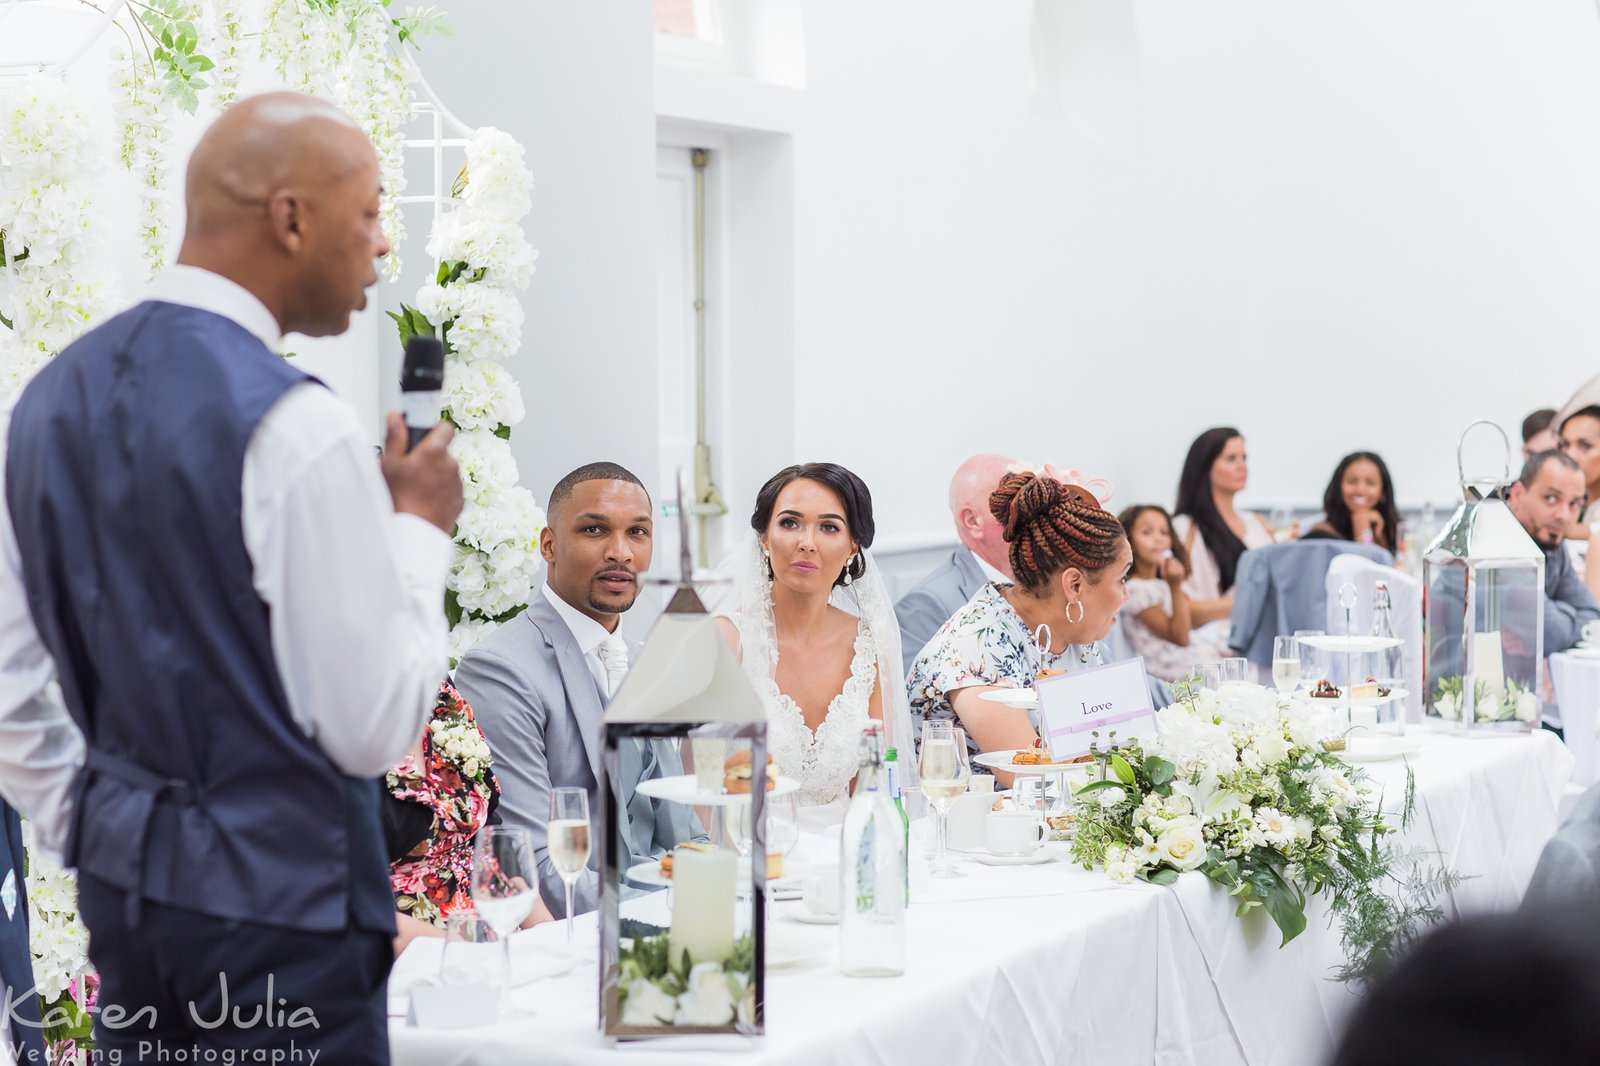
1088 706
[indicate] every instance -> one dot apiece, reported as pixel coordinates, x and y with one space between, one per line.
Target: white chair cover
1405 609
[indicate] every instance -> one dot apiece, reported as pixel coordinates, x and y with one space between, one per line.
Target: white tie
614 657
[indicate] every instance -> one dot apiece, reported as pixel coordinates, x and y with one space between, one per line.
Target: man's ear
285 211
547 544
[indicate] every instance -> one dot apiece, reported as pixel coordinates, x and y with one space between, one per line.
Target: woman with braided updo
1071 560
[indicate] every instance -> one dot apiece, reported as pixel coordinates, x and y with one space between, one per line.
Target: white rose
1271 746
647 1004
1447 707
1183 844
1527 706
708 1001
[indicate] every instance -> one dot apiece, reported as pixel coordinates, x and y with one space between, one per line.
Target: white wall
1335 225
572 82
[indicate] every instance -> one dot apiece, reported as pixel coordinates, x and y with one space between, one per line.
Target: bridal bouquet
1240 787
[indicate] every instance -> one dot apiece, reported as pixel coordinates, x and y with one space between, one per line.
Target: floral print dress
452 779
984 643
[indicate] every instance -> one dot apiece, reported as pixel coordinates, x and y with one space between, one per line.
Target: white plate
1020 698
1585 651
1033 858
682 790
1350 645
649 873
799 912
1001 760
1378 749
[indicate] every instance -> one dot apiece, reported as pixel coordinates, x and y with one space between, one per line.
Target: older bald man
243 613
982 556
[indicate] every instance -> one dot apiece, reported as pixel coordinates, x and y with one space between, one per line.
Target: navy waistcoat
200 791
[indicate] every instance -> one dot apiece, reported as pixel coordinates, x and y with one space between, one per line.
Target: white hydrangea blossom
54 150
59 941
480 317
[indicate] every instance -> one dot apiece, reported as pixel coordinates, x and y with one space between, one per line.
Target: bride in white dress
815 630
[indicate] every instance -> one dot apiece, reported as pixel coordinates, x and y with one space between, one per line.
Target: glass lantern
682 948
1483 611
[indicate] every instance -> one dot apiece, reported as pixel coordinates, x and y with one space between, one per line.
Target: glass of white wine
944 775
1285 664
503 876
569 840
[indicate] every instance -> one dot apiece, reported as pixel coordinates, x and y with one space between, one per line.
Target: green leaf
1095 786
1287 906
1120 767
1159 770
1163 876
503 431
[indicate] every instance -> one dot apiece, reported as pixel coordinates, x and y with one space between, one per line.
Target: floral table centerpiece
1240 786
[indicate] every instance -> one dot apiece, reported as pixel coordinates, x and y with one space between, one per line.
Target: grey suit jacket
539 707
1568 875
936 598
1282 587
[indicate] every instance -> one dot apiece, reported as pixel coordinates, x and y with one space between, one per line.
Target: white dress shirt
588 633
355 590
990 573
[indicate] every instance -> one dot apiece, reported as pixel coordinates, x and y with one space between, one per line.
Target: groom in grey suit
982 557
540 683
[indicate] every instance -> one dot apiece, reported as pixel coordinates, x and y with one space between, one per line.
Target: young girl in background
1157 617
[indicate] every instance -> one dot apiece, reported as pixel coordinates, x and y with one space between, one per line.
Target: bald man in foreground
982 556
244 614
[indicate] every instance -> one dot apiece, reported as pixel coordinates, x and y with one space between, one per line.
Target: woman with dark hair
1580 439
815 629
1071 561
1211 530
1359 504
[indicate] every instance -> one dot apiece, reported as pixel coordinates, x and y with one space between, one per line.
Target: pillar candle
1488 671
702 904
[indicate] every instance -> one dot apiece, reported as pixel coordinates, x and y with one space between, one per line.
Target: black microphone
421 386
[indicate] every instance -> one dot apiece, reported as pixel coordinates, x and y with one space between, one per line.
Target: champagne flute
783 833
1311 668
944 772
569 840
503 875
1285 664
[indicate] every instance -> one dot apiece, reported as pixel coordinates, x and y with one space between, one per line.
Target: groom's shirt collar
589 635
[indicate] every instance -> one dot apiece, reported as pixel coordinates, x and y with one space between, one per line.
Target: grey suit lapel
583 698
972 576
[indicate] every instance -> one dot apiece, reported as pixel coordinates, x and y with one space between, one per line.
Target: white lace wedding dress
824 761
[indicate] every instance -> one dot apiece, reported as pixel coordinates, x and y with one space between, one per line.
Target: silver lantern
1483 624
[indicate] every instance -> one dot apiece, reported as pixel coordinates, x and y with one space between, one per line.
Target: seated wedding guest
1071 561
821 669
540 683
1580 439
1487 990
1539 433
1358 504
1547 499
436 801
20 1039
1156 619
1210 529
1568 875
980 558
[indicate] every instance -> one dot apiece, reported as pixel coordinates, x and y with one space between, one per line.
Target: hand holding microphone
423 477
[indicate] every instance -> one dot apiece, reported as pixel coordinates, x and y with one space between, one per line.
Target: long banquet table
1054 964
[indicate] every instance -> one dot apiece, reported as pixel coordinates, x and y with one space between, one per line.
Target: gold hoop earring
1071 621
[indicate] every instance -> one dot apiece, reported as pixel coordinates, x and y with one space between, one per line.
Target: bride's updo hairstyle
1051 526
852 492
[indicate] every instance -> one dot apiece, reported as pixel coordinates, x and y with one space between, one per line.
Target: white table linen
1054 964
1575 676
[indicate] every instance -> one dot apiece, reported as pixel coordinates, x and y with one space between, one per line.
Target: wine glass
1285 664
503 875
1311 668
1207 675
569 840
783 833
1235 670
944 773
